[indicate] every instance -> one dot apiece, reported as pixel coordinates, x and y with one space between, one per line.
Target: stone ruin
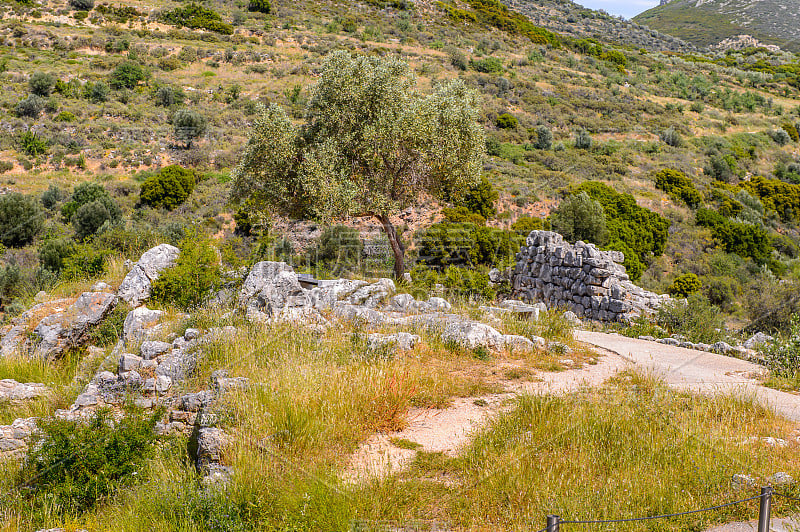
589 282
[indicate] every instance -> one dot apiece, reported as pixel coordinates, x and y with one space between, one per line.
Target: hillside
709 22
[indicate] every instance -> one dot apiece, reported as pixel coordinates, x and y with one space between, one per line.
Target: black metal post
764 509
552 523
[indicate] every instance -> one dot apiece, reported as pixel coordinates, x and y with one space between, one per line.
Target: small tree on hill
188 125
579 217
41 83
371 146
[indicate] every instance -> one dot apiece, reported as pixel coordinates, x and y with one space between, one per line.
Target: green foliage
52 196
41 83
671 137
466 244
746 240
81 5
110 330
75 465
457 58
168 188
638 232
193 278
97 92
32 144
544 138
507 121
783 354
722 167
791 130
30 106
259 6
579 217
168 96
86 261
679 186
780 136
21 219
89 218
486 65
244 222
53 252
469 283
89 208
64 116
188 125
127 75
695 318
525 224
339 249
481 198
461 214
583 140
685 285
495 14
722 291
777 196
195 16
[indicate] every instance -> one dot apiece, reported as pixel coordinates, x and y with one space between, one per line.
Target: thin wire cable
779 494
665 516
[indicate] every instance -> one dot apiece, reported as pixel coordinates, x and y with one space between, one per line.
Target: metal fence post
764 509
552 523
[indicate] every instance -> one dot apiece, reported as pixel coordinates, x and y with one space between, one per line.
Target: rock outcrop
589 282
137 285
13 392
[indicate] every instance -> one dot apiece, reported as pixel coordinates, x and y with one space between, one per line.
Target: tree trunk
397 247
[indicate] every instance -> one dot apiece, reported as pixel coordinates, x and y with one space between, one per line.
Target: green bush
677 185
86 261
32 144
87 193
127 75
685 285
461 214
168 96
722 291
746 240
544 138
74 465
777 196
53 252
188 125
583 140
339 249
486 65
41 83
52 196
638 232
695 318
579 217
465 244
196 16
21 219
525 224
30 106
65 116
259 6
89 218
780 136
468 283
507 121
783 354
671 137
722 167
791 130
193 278
481 198
82 5
168 188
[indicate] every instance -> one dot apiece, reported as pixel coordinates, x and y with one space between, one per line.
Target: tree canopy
370 145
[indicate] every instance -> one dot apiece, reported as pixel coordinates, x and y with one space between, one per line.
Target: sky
626 8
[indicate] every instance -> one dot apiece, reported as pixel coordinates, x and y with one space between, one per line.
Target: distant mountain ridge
707 22
568 18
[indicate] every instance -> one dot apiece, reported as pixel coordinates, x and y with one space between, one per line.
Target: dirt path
696 371
450 429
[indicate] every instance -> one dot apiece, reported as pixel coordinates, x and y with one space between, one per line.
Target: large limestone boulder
13 391
472 334
137 285
273 291
59 331
141 323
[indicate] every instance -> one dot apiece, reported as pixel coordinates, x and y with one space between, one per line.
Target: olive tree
370 145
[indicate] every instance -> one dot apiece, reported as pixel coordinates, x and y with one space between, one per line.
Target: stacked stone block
579 277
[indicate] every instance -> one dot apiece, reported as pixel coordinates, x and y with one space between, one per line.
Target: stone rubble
589 282
13 391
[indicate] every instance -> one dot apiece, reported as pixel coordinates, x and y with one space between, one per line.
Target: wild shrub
168 96
259 6
86 261
777 196
461 214
722 167
525 224
96 92
462 244
339 249
457 58
194 276
746 240
168 188
481 198
636 231
487 65
65 116
32 144
53 252
75 465
783 354
579 217
41 84
791 130
86 193
507 121
467 283
671 137
679 186
780 136
543 138
127 75
195 16
685 285
583 140
82 5
30 106
695 318
188 125
21 219
722 291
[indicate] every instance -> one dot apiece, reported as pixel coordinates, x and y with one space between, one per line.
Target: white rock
471 334
136 287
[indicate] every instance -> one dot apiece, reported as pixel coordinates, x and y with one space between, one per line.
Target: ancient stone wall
589 282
